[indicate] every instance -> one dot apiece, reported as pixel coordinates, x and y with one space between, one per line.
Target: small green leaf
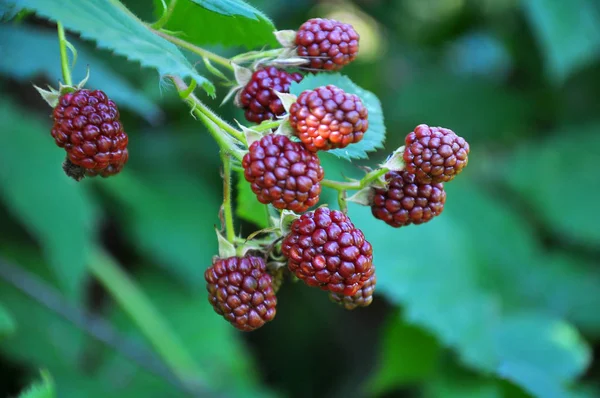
248 207
375 135
7 323
568 31
116 28
226 23
55 209
407 355
43 389
21 41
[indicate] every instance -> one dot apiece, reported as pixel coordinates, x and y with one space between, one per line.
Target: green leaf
8 10
375 135
569 33
217 346
78 366
55 209
114 27
555 166
473 107
42 389
248 207
226 23
407 355
7 323
172 220
462 307
81 366
20 42
231 7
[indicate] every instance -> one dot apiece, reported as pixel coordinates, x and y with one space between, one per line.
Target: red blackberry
327 43
283 173
327 118
258 98
86 124
435 154
240 289
325 249
362 298
406 202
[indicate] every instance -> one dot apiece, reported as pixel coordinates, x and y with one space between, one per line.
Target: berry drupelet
405 201
283 173
326 43
328 118
435 154
241 290
258 98
325 249
87 126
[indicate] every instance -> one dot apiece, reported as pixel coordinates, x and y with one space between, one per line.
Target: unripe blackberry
328 118
240 289
435 154
258 97
87 125
327 43
405 201
283 173
325 249
362 298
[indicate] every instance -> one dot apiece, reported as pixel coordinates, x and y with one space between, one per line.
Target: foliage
496 297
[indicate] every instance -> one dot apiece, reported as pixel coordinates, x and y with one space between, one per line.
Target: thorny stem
355 185
202 111
64 58
162 21
195 49
227 212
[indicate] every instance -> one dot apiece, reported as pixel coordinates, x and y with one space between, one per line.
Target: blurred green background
497 297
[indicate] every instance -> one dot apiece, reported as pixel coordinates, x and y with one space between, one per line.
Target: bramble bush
302 190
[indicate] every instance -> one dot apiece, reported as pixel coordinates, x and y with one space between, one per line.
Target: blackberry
405 201
328 118
325 249
328 44
87 125
283 173
362 298
258 98
435 154
240 289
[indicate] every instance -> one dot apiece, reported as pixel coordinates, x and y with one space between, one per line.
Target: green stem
342 201
199 106
195 49
355 185
257 55
64 58
166 16
150 322
267 125
227 211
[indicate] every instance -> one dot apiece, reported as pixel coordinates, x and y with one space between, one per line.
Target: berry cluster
323 248
432 156
87 126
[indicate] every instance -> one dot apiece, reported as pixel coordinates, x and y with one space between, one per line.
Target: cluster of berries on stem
280 161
